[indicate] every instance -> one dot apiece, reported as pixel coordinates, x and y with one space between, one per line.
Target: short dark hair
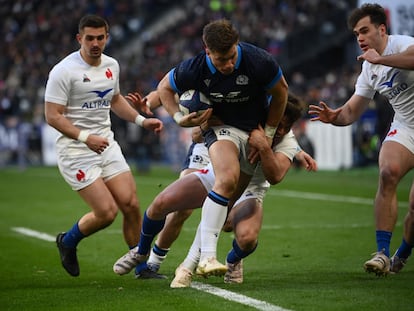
294 108
93 21
220 35
373 10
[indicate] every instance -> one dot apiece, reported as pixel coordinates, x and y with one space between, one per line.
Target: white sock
155 260
193 257
213 216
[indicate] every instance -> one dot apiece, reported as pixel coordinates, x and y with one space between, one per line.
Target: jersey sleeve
57 86
362 87
289 146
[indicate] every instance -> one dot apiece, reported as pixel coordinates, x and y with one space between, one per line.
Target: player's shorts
401 134
238 137
255 190
81 170
197 157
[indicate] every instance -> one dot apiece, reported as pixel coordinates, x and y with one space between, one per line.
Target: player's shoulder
399 43
107 60
68 63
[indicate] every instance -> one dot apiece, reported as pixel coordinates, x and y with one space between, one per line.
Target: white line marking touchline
228 295
35 234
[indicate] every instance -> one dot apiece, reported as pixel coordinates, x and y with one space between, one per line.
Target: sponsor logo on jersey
395 90
85 78
101 94
391 82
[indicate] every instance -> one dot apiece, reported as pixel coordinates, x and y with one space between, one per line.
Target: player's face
92 41
224 62
283 127
368 35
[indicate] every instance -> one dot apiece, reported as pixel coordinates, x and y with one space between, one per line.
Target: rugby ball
193 101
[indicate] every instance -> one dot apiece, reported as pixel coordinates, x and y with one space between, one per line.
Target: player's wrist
139 120
83 136
270 131
178 116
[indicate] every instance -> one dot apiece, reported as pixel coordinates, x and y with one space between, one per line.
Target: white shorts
401 134
238 137
81 170
198 157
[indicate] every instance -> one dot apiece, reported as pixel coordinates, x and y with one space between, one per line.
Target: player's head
369 24
220 39
374 11
294 110
92 36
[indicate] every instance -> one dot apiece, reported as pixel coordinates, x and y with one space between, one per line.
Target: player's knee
390 175
179 217
107 217
247 240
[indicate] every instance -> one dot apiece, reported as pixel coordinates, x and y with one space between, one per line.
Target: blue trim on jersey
213 69
239 57
210 65
275 79
172 82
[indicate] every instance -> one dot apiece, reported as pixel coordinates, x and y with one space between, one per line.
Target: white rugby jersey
288 146
396 84
86 91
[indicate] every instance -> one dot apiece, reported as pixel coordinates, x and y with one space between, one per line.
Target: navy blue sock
236 254
150 228
73 236
160 251
383 241
404 251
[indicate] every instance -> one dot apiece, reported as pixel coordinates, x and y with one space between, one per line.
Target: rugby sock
383 241
404 251
157 257
193 257
73 236
213 216
150 228
236 254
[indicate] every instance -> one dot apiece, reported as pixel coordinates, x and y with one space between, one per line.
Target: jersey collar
213 69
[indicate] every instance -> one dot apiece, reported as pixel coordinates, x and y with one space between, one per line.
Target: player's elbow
274 179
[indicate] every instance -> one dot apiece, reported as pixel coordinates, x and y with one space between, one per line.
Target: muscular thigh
247 217
98 197
395 158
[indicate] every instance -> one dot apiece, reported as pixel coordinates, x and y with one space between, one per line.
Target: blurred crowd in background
148 37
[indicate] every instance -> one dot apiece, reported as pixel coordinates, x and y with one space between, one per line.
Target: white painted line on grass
228 295
244 300
34 233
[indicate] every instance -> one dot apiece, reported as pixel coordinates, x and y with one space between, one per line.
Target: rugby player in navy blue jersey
237 77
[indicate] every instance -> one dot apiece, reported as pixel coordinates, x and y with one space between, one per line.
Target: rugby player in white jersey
81 91
388 68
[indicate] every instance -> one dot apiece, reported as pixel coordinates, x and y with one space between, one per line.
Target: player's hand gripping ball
194 101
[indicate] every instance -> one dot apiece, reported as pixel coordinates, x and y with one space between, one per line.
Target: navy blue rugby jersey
238 99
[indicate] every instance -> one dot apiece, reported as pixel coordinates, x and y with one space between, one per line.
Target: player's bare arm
404 60
342 116
54 114
124 110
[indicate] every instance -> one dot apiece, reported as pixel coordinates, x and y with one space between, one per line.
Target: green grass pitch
318 230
